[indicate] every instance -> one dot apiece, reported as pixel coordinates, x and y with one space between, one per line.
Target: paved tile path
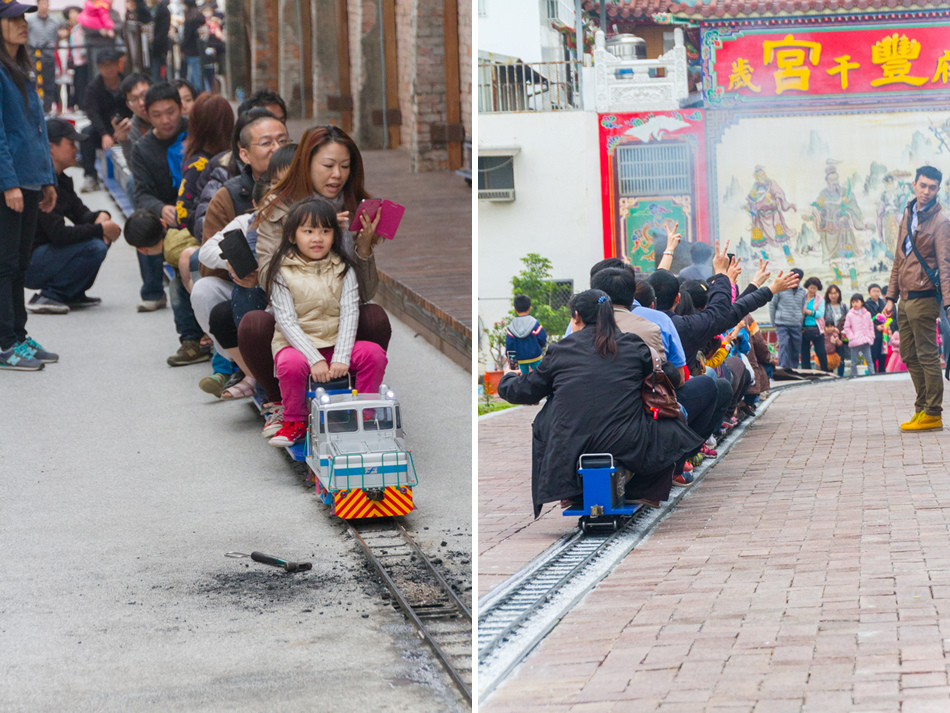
809 572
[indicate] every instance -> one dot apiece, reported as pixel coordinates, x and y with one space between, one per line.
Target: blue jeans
150 267
64 272
195 73
246 299
185 322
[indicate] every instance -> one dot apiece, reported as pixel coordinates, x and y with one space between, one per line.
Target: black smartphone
513 361
731 256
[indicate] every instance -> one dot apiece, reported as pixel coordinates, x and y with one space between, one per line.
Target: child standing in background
833 346
859 327
526 337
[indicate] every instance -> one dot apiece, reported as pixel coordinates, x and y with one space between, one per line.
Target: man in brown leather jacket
925 226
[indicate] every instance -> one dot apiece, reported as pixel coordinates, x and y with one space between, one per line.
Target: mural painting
635 214
829 196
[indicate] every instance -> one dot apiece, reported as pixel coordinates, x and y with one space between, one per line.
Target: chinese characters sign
792 64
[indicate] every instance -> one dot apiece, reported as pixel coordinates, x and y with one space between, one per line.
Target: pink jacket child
894 361
95 15
859 327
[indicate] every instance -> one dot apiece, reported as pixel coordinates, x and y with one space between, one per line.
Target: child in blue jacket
526 337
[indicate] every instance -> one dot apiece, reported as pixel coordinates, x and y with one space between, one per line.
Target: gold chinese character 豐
844 66
742 76
895 54
789 55
943 68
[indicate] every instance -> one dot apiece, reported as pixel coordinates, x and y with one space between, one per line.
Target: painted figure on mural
837 216
889 211
767 205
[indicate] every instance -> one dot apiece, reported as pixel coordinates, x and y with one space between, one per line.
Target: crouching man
66 258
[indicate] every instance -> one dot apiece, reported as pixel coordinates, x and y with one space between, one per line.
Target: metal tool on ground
273 561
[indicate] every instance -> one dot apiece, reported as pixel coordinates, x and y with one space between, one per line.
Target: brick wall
405 43
265 63
465 62
290 78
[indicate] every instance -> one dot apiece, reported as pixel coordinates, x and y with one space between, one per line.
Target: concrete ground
122 485
808 572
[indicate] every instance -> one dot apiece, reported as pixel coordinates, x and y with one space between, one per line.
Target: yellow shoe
925 422
909 425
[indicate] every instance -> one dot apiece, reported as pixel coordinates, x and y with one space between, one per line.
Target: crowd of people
270 285
155 37
714 355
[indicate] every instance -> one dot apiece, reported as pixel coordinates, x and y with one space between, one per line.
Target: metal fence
538 86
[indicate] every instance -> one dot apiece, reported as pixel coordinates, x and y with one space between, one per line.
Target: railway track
421 592
518 614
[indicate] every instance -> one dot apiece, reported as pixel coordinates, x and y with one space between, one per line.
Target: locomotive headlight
390 395
325 399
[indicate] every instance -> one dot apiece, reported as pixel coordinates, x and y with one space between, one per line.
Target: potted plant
496 348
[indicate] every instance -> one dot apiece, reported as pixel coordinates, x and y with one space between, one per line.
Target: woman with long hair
28 182
327 164
592 381
209 133
835 313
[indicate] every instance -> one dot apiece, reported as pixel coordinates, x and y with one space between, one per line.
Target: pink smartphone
388 222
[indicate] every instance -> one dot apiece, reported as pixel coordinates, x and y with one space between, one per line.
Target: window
342 421
496 178
377 419
654 169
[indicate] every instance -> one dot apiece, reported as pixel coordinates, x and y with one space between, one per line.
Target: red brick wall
465 62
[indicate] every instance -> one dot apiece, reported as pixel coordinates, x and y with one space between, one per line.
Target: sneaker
89 184
695 460
152 305
707 451
20 358
290 433
39 304
84 301
711 442
908 425
683 479
213 384
924 422
273 420
190 352
39 353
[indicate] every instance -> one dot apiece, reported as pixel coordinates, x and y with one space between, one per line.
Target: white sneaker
273 422
89 184
152 305
711 442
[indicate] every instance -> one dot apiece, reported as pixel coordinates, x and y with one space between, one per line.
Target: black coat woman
592 381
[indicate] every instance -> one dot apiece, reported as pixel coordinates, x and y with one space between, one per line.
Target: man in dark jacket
66 258
102 102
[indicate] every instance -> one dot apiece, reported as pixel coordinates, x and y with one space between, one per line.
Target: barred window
654 169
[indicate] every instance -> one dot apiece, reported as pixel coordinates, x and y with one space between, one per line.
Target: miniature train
604 503
355 448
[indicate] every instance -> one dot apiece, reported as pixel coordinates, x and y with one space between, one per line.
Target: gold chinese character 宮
742 76
895 54
943 68
845 65
789 55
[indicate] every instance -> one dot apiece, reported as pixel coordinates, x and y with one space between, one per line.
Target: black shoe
84 301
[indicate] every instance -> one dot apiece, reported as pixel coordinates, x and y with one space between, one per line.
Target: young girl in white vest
314 293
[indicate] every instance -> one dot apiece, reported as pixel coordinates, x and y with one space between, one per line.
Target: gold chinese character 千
742 76
895 54
789 55
943 68
844 66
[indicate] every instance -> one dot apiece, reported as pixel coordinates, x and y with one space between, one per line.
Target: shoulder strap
933 274
655 356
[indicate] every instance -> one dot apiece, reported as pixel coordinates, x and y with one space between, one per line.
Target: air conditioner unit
497 195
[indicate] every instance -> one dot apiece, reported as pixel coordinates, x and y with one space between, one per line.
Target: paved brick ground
809 572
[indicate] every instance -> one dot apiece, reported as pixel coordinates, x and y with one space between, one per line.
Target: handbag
657 392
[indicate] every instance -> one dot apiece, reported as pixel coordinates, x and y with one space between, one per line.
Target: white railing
640 84
538 86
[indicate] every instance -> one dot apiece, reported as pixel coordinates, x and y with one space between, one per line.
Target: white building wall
556 212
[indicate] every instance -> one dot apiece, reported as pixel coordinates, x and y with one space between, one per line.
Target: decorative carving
636 85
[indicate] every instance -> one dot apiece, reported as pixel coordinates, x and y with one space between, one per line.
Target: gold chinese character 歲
789 56
742 76
895 54
844 66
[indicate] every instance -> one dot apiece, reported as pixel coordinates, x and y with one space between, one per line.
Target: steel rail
409 610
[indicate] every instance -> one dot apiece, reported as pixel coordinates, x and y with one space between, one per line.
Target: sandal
214 384
241 390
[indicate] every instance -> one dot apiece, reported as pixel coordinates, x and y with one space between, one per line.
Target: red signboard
790 64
